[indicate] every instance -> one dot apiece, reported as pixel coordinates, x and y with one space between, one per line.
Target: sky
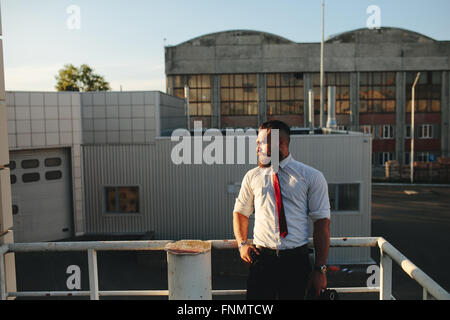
123 40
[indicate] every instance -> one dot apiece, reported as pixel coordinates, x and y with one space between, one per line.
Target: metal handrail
387 251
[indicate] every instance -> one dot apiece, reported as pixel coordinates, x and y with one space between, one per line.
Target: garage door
41 190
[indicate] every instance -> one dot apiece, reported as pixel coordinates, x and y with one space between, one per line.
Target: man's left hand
319 282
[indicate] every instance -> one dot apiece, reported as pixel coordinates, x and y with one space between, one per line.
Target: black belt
279 252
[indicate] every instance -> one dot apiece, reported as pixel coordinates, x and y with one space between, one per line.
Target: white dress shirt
304 191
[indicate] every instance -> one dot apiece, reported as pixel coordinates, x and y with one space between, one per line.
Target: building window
52 162
428 91
408 131
407 159
53 175
367 129
387 131
344 197
30 164
200 95
238 94
285 94
122 199
377 92
199 92
12 165
30 177
385 157
380 158
13 178
342 83
426 131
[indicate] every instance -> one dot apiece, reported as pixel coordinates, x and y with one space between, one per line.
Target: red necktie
280 208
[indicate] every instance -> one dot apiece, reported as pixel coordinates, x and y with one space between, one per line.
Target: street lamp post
413 97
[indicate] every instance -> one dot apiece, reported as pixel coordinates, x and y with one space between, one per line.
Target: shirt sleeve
245 201
318 201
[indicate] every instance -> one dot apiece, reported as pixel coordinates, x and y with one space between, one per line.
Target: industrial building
242 78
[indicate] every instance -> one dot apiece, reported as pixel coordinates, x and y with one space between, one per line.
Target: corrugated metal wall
194 201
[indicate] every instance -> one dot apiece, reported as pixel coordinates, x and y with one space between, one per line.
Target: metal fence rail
387 254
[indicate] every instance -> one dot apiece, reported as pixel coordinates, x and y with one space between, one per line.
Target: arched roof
384 34
232 37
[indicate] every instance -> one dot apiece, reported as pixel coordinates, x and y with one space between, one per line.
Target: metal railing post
3 294
385 276
93 274
189 270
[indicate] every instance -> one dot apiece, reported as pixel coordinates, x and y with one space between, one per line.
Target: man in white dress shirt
282 199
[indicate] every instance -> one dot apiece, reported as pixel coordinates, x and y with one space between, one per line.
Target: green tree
71 78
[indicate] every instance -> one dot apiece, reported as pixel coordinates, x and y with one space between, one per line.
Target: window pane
178 82
390 106
15 209
206 109
348 197
238 81
271 80
253 108
13 178
271 94
12 165
111 203
128 199
239 94
389 78
332 196
206 81
224 80
53 175
30 177
436 77
52 162
436 106
28 164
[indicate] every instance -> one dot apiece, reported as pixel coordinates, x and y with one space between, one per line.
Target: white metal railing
387 254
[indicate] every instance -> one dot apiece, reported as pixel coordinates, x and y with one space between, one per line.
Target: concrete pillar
354 101
400 116
215 101
189 270
262 98
445 114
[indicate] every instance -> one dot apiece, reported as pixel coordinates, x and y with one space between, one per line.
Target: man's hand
319 282
245 252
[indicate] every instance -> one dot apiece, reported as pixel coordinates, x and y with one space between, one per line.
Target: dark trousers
282 276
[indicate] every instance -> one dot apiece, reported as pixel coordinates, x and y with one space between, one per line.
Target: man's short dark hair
280 125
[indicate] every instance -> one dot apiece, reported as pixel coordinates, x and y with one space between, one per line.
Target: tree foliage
71 78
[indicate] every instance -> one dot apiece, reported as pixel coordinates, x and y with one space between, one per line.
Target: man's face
263 147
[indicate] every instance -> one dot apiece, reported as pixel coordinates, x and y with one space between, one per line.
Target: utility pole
413 98
322 66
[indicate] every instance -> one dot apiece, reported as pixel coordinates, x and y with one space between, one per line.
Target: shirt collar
285 161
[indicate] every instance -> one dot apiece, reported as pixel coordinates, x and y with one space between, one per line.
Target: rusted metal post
93 274
189 270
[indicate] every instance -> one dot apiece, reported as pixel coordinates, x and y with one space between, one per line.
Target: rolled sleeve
318 201
245 201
